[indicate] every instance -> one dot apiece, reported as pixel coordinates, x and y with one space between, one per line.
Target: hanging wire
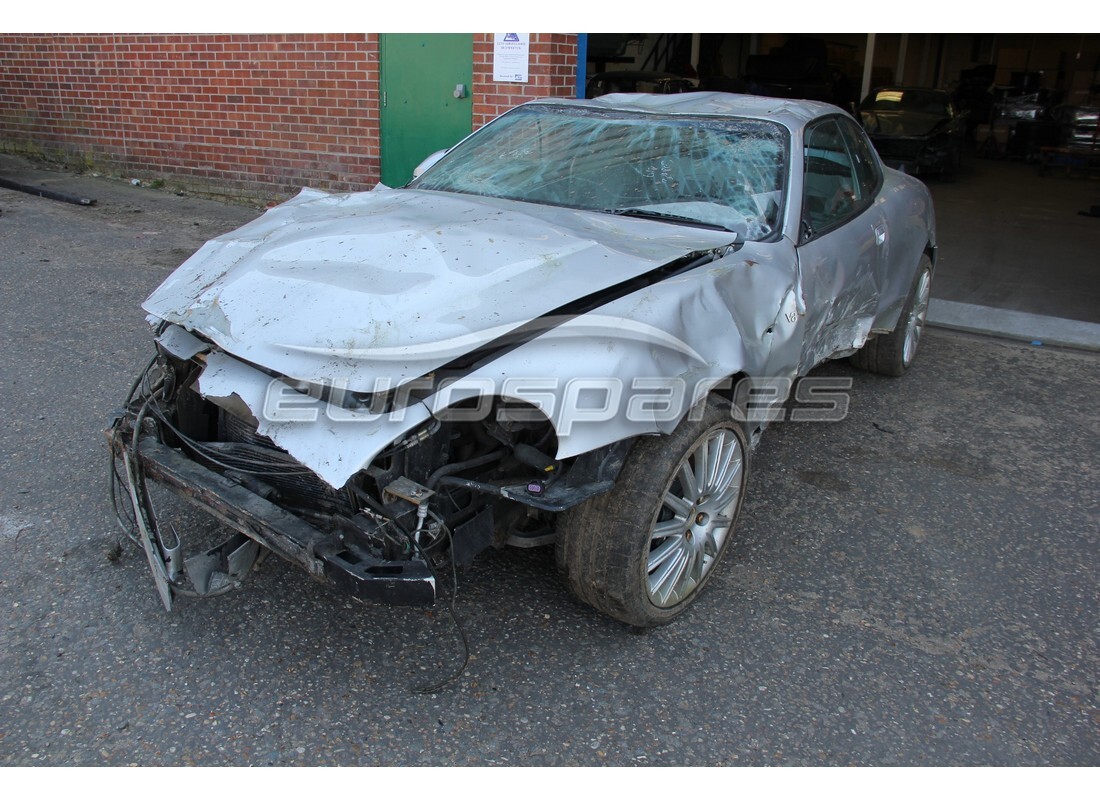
432 688
125 514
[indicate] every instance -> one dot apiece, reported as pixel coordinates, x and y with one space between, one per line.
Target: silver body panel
375 290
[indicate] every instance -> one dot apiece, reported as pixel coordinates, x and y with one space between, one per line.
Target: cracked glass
720 172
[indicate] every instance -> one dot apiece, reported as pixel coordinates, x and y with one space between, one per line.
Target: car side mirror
428 163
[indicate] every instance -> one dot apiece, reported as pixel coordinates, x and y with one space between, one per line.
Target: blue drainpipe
582 63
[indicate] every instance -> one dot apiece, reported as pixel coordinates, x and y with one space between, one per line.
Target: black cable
140 377
196 446
458 466
435 687
127 524
150 404
381 511
134 470
412 441
206 453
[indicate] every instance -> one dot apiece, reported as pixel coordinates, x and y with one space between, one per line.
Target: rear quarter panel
911 229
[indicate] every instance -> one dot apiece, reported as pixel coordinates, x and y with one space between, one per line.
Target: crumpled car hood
902 123
391 284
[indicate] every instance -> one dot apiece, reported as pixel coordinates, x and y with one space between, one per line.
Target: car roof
792 114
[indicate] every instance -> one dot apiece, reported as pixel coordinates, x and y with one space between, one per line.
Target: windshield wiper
664 216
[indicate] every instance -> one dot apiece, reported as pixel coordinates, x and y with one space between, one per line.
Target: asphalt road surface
915 585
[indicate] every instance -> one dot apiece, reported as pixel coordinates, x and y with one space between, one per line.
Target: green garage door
420 113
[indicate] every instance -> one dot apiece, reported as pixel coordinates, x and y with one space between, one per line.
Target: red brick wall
246 115
254 114
553 73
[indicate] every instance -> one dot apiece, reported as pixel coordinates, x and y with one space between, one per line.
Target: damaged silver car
544 339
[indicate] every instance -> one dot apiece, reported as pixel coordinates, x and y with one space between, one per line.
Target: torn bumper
321 554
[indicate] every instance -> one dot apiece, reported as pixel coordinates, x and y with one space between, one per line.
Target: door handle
880 233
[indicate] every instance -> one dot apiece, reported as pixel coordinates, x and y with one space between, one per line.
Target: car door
842 240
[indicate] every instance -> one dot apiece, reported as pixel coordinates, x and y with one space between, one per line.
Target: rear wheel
642 552
893 353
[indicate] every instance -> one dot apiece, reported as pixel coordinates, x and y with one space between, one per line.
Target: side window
830 186
867 171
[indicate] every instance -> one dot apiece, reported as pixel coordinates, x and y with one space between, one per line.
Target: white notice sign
511 57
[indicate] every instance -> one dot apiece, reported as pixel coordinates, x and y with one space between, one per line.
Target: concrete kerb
1018 325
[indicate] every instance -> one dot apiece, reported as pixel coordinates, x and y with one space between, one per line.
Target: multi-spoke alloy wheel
893 353
695 518
642 552
914 325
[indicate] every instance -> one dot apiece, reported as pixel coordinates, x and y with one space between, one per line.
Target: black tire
888 354
605 546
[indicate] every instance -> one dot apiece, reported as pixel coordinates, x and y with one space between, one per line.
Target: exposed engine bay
444 492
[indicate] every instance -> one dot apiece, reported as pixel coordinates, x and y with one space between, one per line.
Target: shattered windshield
718 172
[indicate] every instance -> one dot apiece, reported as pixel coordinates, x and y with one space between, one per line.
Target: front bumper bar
322 555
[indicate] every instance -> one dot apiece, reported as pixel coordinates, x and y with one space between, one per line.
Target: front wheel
893 353
642 552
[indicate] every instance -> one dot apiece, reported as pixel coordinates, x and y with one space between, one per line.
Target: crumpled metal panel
373 290
403 281
335 446
690 331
